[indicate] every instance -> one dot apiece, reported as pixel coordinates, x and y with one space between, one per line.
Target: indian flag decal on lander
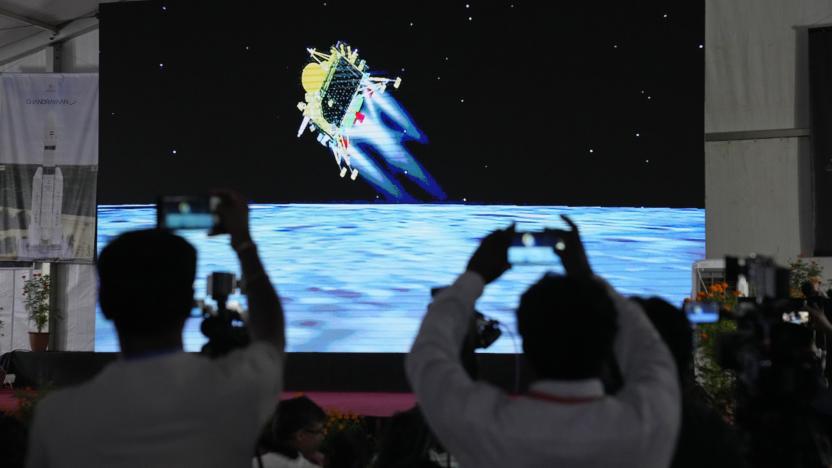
336 86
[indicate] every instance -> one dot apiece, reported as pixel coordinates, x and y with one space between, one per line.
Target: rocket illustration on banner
45 231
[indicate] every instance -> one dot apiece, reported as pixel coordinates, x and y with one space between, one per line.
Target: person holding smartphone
570 325
157 405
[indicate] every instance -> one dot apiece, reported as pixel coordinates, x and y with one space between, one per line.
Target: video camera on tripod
777 372
225 328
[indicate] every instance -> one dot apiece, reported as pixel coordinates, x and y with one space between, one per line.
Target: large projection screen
379 144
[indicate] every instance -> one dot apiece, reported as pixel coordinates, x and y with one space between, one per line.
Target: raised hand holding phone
185 212
490 260
570 249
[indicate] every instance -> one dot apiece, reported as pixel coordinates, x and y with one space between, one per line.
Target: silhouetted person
158 406
819 307
347 448
407 442
297 431
569 325
705 439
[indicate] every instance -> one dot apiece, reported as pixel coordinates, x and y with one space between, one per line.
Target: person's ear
297 436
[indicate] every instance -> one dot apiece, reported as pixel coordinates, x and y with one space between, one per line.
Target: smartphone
534 239
187 212
702 312
533 248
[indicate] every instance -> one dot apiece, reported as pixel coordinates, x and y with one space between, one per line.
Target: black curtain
820 76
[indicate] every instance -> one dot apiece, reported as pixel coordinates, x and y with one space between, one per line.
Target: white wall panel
758 192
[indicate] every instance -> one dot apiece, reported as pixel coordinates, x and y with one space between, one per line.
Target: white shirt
170 410
484 427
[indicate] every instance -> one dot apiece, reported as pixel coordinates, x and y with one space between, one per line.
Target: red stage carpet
364 404
8 402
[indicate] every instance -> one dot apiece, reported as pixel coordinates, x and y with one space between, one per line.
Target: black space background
542 83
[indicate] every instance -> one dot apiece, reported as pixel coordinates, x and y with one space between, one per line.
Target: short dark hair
348 448
674 328
406 442
568 325
294 415
146 281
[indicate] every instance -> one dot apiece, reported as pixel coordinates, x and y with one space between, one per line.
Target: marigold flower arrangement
718 383
341 420
340 424
720 293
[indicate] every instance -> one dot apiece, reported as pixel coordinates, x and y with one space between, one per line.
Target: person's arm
265 313
641 354
651 396
453 404
254 372
818 319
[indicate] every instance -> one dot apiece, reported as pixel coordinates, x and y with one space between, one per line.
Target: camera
484 330
778 375
487 330
224 328
766 280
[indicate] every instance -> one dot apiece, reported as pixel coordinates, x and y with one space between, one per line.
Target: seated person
157 405
296 433
407 442
347 448
569 325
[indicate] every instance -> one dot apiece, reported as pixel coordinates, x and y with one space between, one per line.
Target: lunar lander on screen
337 85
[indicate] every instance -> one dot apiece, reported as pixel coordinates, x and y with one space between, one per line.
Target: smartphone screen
702 312
187 212
532 248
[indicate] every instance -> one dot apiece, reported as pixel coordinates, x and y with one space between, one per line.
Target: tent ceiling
21 19
54 12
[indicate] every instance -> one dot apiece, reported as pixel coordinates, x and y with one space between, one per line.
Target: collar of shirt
589 389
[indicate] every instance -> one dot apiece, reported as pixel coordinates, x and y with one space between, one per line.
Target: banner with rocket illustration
48 166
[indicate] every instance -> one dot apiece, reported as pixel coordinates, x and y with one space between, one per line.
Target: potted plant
800 272
36 300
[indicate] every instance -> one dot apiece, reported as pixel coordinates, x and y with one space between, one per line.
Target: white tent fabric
76 330
756 63
757 188
15 324
27 29
20 19
30 26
